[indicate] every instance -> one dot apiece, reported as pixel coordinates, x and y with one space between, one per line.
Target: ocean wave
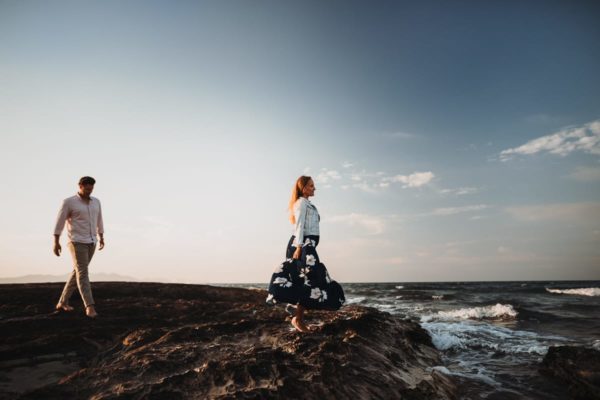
440 297
446 340
480 375
370 292
526 314
498 312
399 287
457 336
415 295
355 300
580 291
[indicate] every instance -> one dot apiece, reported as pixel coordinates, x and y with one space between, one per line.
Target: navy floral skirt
305 281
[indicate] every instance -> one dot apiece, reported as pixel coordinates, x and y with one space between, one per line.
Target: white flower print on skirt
305 281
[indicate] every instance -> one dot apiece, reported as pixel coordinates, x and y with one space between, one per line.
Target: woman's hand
297 253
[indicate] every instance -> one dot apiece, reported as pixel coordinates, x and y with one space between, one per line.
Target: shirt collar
80 197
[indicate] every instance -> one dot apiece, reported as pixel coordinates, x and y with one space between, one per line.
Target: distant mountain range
94 277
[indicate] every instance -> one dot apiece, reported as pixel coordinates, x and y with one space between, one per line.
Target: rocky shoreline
173 341
576 367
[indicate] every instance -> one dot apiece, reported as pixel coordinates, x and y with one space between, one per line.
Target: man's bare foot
300 326
63 307
90 311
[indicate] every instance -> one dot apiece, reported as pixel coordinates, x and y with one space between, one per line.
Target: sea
494 333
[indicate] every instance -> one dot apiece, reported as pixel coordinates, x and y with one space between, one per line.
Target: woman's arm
300 216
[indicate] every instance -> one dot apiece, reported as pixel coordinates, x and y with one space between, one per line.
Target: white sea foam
400 287
499 311
442 369
446 340
440 297
464 335
596 344
355 300
580 291
480 375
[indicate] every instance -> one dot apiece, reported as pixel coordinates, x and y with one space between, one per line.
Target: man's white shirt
83 219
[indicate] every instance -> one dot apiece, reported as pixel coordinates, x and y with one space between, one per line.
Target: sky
449 141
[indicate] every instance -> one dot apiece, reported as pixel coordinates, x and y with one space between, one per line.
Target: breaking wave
581 291
465 335
497 312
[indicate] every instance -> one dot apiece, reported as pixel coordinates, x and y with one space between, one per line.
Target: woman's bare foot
300 325
90 311
63 307
290 309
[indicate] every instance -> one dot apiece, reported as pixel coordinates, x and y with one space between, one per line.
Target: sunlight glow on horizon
439 153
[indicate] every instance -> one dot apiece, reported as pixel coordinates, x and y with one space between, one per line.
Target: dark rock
577 367
168 341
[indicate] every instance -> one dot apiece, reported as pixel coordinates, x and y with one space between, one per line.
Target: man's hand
57 249
297 253
101 244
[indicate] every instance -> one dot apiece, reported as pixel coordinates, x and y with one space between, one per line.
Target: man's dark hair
87 180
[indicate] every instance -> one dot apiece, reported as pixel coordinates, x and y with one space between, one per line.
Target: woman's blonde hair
296 194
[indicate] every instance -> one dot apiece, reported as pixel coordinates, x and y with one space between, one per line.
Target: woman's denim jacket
307 220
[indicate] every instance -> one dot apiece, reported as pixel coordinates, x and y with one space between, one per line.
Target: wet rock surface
577 367
155 341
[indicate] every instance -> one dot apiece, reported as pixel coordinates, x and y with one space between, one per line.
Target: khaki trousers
82 254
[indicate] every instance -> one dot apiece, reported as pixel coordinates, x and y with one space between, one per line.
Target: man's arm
100 225
57 248
63 214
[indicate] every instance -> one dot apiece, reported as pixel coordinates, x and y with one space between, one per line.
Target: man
83 216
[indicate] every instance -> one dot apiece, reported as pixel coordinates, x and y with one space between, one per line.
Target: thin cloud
543 119
458 210
413 180
579 213
370 224
371 182
586 174
585 138
366 187
356 177
399 135
461 191
347 164
327 175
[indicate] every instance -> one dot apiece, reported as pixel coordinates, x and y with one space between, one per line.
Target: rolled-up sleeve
63 214
300 216
100 222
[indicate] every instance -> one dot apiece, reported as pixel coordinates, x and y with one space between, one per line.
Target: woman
302 279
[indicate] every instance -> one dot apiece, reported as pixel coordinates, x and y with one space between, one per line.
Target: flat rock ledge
576 367
171 341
